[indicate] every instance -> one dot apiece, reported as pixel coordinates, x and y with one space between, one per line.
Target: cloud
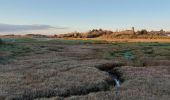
21 28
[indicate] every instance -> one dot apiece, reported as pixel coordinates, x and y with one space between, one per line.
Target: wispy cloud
20 28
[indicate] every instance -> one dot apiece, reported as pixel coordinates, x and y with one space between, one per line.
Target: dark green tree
143 32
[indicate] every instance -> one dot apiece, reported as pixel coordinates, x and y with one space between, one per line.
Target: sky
61 16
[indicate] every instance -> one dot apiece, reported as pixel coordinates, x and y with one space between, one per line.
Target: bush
97 33
143 32
0 41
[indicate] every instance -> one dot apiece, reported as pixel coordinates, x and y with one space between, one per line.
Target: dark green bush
0 41
143 32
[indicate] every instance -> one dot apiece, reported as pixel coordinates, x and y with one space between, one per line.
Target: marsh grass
69 41
10 50
67 69
140 54
127 54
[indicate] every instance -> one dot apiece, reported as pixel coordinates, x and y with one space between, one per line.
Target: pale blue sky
83 15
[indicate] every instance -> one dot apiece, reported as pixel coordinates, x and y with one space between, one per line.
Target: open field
83 70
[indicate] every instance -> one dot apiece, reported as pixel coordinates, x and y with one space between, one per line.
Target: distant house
167 34
161 32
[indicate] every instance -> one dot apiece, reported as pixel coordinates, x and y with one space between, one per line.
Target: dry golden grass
123 40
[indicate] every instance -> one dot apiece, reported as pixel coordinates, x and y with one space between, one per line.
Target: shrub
97 33
143 32
0 41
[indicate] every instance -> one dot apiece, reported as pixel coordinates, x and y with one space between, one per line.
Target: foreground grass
11 50
71 70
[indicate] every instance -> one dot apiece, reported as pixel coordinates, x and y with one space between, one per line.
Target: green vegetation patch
11 50
160 44
25 40
148 50
77 41
127 54
140 54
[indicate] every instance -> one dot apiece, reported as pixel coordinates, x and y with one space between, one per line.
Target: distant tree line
110 34
90 34
96 33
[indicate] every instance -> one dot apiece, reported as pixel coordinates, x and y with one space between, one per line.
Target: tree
143 32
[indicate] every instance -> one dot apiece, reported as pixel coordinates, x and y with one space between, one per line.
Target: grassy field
61 69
